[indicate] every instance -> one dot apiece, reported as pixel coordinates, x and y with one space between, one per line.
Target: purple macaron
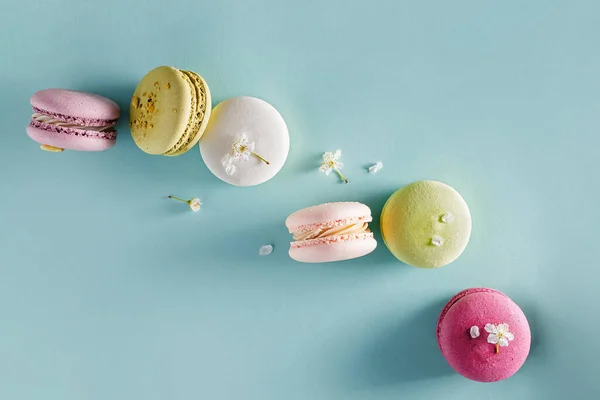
67 119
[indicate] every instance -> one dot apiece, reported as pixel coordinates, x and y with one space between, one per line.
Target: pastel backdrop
110 291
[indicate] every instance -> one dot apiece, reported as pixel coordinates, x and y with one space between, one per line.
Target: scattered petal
437 241
266 250
376 167
474 331
447 218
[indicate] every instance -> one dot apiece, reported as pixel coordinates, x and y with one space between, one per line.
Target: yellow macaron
169 111
426 224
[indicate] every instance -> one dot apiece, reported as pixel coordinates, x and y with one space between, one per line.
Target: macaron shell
412 217
80 107
262 124
201 117
325 213
336 251
475 358
69 139
160 110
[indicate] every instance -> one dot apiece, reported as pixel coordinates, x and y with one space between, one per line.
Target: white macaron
246 142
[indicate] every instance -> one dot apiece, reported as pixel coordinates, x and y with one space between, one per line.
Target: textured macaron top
328 214
86 109
426 224
483 335
169 110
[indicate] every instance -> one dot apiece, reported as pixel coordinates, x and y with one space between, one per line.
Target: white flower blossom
331 163
194 204
376 167
499 335
242 149
474 331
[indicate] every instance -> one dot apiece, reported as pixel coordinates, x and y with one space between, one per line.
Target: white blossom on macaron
194 203
498 335
241 150
331 163
376 167
474 331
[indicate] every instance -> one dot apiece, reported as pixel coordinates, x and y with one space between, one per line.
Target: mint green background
110 291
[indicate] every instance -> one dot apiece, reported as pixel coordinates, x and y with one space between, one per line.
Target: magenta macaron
331 232
67 119
483 335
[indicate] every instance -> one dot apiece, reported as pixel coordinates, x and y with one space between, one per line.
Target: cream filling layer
57 122
319 233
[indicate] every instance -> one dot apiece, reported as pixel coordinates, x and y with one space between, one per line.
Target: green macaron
426 224
169 111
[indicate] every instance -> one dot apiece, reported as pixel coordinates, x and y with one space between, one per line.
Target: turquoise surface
110 291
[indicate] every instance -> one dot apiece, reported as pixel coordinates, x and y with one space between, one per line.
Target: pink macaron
67 119
331 232
483 335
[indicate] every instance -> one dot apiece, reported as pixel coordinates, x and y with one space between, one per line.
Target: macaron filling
332 231
57 122
81 122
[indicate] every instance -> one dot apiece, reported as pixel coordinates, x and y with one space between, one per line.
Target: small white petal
339 165
492 338
503 342
376 167
246 155
244 137
491 328
323 167
251 146
266 250
338 154
226 160
230 169
328 171
327 156
509 336
502 328
437 241
447 218
474 331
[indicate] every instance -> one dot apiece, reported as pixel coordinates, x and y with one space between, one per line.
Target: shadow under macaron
404 351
